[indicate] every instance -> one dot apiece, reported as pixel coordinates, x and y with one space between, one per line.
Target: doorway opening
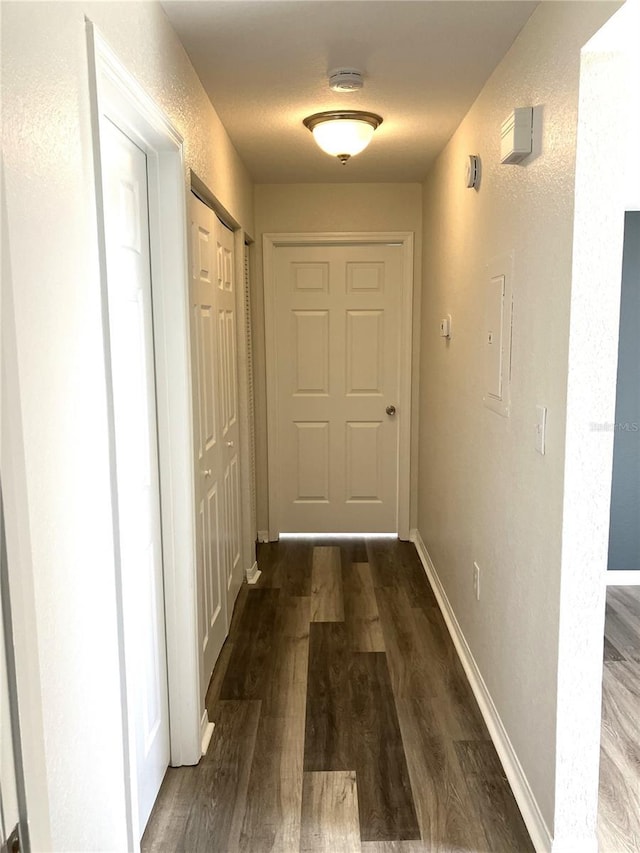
607 185
624 532
618 806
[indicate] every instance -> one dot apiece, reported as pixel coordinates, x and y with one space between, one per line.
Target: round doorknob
207 472
229 444
390 410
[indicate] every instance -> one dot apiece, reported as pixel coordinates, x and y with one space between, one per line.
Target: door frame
607 184
405 239
117 95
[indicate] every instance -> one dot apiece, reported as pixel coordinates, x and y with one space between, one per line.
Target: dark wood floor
619 808
344 721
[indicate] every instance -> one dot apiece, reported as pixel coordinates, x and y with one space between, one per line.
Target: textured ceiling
264 64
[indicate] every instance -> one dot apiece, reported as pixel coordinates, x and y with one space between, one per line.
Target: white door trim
622 577
247 534
116 94
270 242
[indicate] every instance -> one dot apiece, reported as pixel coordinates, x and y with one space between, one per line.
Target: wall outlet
476 580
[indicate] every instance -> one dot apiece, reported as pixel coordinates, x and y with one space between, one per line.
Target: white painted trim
621 577
406 372
253 573
263 535
354 534
206 732
607 183
242 367
270 242
20 573
118 96
536 825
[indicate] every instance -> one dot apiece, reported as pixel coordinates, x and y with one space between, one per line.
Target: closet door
133 382
230 429
214 353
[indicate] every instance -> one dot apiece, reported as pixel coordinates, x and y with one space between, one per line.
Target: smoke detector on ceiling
345 80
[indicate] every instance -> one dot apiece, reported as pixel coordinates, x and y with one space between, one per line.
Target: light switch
541 428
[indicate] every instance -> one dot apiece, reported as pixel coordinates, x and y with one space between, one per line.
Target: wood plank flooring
619 804
344 721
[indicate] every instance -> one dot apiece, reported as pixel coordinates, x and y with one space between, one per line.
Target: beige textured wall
54 402
484 492
281 208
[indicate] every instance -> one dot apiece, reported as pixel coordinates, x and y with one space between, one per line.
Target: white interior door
124 167
217 435
336 336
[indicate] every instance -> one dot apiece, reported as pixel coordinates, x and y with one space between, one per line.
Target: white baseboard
263 535
535 823
253 573
621 577
206 731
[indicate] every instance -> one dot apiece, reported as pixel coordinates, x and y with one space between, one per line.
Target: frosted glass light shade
343 134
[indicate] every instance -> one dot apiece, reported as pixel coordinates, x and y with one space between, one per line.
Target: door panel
208 418
365 352
363 469
206 359
216 418
228 360
337 313
311 334
133 384
311 461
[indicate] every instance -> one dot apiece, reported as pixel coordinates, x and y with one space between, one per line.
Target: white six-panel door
337 318
124 168
217 433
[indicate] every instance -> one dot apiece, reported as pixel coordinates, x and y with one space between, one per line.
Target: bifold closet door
217 474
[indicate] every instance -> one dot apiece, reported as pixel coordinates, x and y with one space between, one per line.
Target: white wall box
541 429
472 174
445 326
516 135
497 334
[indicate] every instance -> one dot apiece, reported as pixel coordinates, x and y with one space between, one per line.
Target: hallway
344 720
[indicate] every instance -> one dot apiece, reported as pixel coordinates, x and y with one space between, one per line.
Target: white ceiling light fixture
343 133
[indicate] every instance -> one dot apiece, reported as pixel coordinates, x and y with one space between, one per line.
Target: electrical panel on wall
498 310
